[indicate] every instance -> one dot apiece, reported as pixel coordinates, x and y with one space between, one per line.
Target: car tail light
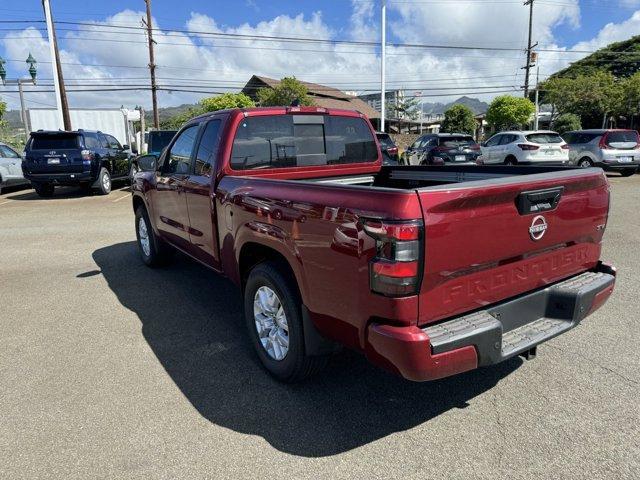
392 150
475 147
396 270
524 146
602 145
565 146
437 161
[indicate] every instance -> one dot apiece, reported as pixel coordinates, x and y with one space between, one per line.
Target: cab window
178 159
205 158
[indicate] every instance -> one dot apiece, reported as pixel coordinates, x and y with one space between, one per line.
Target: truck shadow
192 320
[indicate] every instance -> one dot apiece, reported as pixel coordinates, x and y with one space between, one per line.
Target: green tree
459 119
506 111
284 94
225 101
404 108
3 108
593 97
210 104
566 123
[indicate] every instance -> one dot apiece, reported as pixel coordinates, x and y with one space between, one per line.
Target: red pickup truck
429 271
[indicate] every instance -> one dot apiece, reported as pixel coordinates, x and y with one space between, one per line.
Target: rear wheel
154 252
272 308
585 163
628 172
511 160
104 182
44 189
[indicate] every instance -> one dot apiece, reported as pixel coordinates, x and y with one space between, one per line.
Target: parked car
526 147
10 168
443 149
157 141
389 149
400 263
89 159
612 150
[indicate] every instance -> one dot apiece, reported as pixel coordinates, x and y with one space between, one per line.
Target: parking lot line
7 201
121 198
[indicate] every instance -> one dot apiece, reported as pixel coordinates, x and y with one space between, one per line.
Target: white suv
530 147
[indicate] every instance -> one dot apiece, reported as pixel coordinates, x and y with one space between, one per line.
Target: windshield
624 139
544 138
453 142
54 142
385 140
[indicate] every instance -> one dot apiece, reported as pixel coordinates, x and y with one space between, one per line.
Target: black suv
89 159
443 149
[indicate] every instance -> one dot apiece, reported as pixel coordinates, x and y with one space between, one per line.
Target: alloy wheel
271 323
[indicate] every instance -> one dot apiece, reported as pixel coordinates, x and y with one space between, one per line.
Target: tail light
565 146
475 147
396 270
392 150
602 145
87 155
524 146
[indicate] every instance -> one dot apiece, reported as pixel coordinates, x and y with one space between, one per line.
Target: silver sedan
10 168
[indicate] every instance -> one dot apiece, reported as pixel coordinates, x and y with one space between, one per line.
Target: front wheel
585 163
272 308
153 251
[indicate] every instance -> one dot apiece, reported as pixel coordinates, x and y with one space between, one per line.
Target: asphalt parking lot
109 369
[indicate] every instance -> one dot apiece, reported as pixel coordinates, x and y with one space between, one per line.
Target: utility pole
383 86
152 66
529 47
58 80
537 120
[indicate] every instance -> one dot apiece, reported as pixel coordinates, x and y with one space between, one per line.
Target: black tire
628 172
511 160
44 190
158 252
132 172
585 163
296 365
103 183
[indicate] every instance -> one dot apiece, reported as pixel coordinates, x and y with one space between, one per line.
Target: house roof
323 96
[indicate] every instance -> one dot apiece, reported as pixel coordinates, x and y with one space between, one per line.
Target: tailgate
54 161
491 240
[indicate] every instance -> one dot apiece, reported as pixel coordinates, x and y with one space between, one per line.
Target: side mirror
148 163
125 147
134 151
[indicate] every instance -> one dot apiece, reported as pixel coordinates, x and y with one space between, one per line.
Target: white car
526 147
10 168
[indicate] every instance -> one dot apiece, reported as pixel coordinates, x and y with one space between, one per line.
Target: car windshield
55 142
453 142
624 139
544 138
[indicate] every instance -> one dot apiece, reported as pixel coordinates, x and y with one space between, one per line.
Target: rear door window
544 138
279 141
205 157
55 142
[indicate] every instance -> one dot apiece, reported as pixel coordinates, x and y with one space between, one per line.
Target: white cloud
225 64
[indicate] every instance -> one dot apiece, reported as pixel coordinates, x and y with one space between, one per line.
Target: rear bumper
618 166
61 178
489 336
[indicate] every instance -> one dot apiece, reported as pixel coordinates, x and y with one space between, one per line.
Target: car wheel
272 308
153 251
585 163
628 172
132 172
511 160
44 189
104 182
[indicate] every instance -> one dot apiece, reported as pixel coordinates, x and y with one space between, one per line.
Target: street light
33 71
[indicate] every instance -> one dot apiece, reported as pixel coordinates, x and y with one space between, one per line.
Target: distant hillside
622 59
478 106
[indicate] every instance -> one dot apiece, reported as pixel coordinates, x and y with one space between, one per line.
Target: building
322 95
391 97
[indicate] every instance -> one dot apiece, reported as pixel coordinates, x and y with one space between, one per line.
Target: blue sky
91 54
